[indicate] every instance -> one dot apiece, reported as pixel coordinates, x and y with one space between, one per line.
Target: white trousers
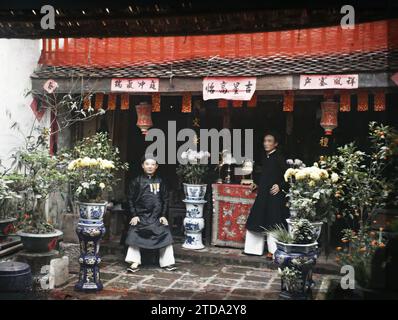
166 255
254 243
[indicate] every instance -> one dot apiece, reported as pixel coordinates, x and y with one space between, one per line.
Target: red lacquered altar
231 207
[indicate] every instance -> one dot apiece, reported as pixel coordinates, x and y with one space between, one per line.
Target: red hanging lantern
288 101
380 101
363 101
186 106
345 102
237 103
125 100
156 102
144 116
223 103
330 110
99 99
111 101
252 102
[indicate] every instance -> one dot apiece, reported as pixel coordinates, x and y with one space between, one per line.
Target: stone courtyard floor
209 279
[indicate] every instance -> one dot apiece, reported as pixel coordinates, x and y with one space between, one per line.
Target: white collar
268 154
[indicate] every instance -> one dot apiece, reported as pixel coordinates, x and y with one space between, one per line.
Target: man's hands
164 221
134 221
274 190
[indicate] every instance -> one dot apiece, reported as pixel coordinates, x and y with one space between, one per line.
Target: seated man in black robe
269 208
148 202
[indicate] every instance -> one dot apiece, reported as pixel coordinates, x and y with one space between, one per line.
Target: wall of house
18 59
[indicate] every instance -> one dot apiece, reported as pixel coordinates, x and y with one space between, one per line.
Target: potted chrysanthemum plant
91 168
311 195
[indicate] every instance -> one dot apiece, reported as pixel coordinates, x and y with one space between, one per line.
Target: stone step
222 255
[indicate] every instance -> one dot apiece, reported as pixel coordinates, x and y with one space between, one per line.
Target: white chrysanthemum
102 185
334 177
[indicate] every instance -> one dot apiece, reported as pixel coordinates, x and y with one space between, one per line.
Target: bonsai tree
36 175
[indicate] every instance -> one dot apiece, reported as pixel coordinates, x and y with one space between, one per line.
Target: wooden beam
266 84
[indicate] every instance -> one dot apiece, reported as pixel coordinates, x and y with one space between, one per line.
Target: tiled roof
375 61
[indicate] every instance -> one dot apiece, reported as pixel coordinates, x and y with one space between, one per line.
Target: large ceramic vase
90 230
194 222
285 256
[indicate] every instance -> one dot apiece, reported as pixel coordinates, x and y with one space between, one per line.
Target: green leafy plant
302 233
193 171
36 175
291 279
281 234
358 250
8 198
364 185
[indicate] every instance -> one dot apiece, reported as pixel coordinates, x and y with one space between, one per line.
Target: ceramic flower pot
90 230
194 191
301 257
317 226
43 242
91 210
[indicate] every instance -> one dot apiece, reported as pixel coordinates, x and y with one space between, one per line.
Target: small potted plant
193 173
311 195
37 174
296 256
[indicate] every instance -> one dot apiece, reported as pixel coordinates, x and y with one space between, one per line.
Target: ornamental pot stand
194 222
284 257
90 230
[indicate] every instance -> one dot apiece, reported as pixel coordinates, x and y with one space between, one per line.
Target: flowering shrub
358 250
311 192
91 167
193 172
364 185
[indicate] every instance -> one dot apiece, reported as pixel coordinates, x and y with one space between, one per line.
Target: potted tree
363 188
311 195
91 168
296 256
36 175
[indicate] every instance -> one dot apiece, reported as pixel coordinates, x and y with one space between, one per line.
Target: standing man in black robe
148 202
269 208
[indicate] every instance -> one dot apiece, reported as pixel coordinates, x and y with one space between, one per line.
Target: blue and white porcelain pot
194 208
194 191
193 233
91 210
90 230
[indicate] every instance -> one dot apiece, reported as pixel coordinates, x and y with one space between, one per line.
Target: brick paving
213 281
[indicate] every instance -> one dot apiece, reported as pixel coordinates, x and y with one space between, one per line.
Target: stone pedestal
69 223
39 263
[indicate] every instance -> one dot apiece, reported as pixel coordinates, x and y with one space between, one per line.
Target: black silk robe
148 199
269 210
